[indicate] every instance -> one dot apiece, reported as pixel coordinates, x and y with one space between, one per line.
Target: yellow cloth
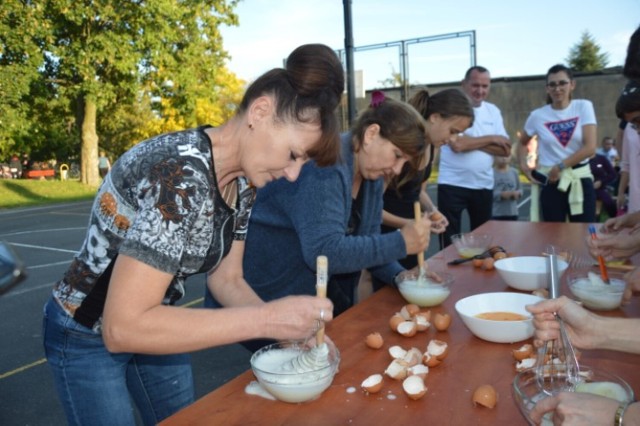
569 180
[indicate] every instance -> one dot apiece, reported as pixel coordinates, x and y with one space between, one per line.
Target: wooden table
470 363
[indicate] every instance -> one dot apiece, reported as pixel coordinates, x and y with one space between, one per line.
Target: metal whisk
557 367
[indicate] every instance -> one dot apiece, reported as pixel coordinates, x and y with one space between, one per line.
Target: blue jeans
96 387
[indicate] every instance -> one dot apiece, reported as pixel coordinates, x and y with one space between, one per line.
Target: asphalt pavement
46 239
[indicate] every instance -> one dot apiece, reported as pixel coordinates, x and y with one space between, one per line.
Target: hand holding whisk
557 367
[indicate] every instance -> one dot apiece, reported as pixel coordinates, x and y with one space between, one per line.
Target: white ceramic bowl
469 245
527 393
599 298
424 294
497 331
527 273
291 386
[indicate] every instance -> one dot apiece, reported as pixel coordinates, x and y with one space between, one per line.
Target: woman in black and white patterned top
173 206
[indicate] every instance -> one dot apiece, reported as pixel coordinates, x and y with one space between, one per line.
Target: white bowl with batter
272 366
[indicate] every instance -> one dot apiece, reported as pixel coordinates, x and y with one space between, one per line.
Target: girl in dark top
449 106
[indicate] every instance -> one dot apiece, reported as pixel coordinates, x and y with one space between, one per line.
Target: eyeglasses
554 84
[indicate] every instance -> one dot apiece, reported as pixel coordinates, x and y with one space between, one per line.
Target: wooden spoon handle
322 274
418 216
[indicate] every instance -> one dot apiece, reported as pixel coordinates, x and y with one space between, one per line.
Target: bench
41 174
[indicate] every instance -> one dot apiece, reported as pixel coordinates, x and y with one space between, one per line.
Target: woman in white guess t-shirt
566 132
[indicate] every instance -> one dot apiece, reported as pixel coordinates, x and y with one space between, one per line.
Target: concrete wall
518 96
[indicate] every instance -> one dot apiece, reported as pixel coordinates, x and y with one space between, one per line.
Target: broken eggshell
374 340
373 383
414 387
486 396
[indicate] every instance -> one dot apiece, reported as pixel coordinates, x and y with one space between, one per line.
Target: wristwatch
561 166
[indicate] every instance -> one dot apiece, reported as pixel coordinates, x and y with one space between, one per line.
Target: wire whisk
557 367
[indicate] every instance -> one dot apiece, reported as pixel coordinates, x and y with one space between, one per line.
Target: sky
513 38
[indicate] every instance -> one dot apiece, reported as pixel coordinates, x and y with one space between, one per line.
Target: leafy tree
586 56
21 38
101 62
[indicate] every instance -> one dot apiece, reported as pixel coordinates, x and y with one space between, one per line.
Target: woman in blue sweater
336 211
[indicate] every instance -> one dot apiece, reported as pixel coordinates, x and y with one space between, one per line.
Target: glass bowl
527 392
594 294
272 367
424 293
469 245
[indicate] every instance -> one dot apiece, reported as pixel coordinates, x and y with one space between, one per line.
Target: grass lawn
29 192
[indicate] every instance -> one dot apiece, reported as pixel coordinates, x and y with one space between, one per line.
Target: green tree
586 56
21 40
102 57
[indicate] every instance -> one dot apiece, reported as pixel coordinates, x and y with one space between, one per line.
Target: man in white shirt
465 173
608 150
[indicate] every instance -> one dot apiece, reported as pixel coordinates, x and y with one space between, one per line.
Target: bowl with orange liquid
498 317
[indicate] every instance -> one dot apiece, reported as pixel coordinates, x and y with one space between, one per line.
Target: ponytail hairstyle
555 69
307 90
399 123
629 100
448 103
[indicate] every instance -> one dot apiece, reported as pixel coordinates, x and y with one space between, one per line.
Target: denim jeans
96 387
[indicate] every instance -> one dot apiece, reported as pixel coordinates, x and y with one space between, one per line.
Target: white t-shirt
559 131
631 163
472 169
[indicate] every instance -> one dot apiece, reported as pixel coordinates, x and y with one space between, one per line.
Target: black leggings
554 204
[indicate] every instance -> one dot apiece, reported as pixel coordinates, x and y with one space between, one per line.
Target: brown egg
499 255
395 320
397 369
374 340
430 360
541 292
409 310
486 396
373 383
438 349
477 263
425 314
442 321
524 351
487 264
421 323
407 328
436 216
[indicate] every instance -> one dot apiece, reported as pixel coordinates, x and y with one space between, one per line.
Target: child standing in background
506 191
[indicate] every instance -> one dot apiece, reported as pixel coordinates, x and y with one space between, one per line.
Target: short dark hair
556 69
478 68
